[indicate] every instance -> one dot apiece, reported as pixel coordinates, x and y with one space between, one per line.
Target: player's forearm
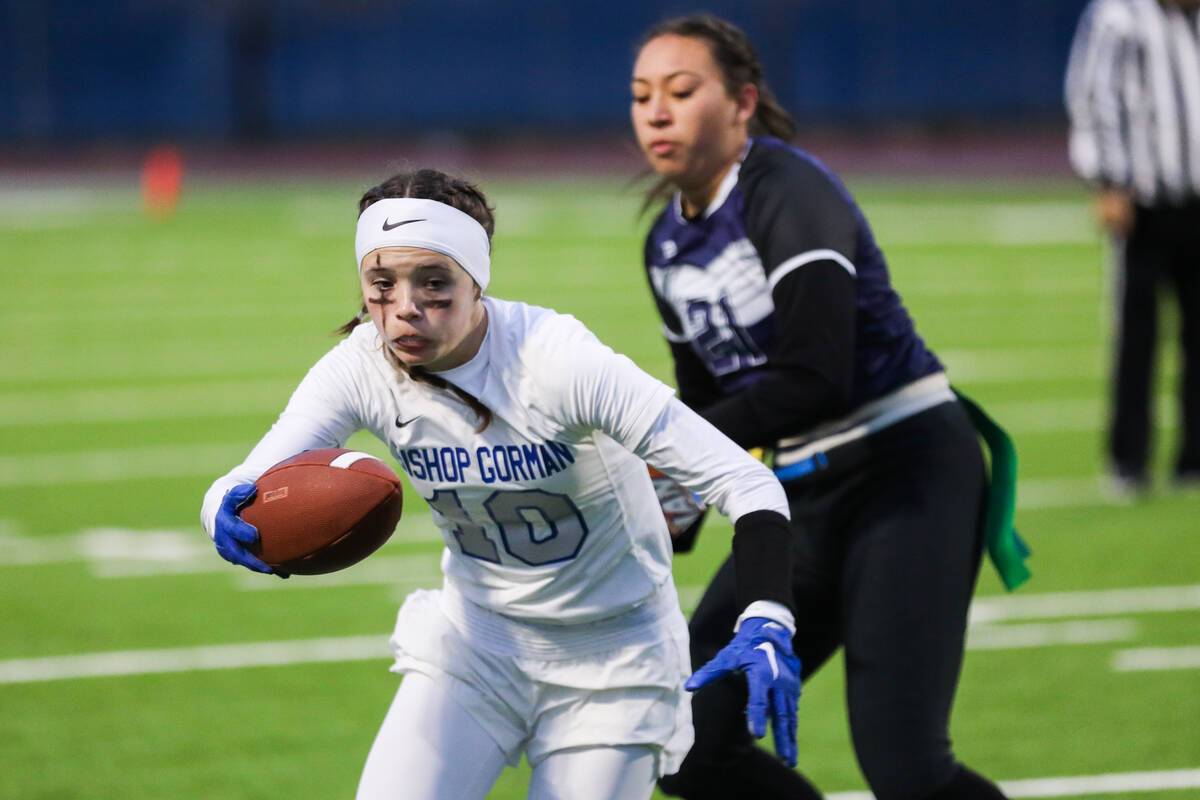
690 450
762 561
292 433
781 404
282 441
810 372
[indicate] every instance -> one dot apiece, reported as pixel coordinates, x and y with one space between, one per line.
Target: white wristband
769 609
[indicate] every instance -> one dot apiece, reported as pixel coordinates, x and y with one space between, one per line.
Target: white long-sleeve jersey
548 514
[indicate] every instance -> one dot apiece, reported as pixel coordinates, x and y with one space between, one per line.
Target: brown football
323 510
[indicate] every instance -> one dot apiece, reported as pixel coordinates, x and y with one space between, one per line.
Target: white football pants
430 748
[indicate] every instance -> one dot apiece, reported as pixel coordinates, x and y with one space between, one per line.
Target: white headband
411 222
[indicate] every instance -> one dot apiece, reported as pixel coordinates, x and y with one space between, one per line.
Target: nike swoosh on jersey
400 423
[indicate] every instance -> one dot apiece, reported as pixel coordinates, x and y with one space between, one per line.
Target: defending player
786 334
557 633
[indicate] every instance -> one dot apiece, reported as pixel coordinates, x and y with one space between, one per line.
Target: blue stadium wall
230 69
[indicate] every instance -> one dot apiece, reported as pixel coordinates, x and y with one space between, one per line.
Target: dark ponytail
739 64
431 184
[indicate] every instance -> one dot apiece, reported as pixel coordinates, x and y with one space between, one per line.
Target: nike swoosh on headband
389 225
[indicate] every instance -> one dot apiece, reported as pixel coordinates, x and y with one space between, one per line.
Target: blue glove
233 534
762 648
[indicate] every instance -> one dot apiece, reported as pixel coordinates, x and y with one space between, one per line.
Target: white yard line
1050 634
159 549
1036 493
1102 603
122 552
126 553
1153 659
1075 289
1069 414
355 648
55 207
1039 223
1031 364
185 659
1083 785
1104 784
390 570
130 404
999 224
130 463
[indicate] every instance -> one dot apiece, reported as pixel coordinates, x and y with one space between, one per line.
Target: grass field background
141 358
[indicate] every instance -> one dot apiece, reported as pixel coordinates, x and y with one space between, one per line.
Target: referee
1133 96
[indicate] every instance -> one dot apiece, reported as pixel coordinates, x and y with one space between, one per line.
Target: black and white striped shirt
1133 96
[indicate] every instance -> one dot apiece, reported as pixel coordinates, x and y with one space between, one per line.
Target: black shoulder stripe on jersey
794 206
803 260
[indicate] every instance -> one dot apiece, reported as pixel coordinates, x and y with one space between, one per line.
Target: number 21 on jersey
725 345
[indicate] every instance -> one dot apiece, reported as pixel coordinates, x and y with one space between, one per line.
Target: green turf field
140 359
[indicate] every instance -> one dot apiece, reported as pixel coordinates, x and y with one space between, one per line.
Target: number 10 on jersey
533 526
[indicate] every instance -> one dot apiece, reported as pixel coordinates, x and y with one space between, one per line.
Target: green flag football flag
1006 549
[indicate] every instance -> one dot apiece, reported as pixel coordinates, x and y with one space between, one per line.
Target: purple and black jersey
776 300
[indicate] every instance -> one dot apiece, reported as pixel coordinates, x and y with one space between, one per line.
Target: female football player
557 632
786 334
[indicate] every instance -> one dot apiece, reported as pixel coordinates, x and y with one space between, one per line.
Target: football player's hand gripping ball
762 649
232 534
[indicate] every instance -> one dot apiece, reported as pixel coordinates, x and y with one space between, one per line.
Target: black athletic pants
1163 248
887 549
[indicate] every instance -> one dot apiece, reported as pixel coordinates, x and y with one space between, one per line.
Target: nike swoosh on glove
762 649
232 534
